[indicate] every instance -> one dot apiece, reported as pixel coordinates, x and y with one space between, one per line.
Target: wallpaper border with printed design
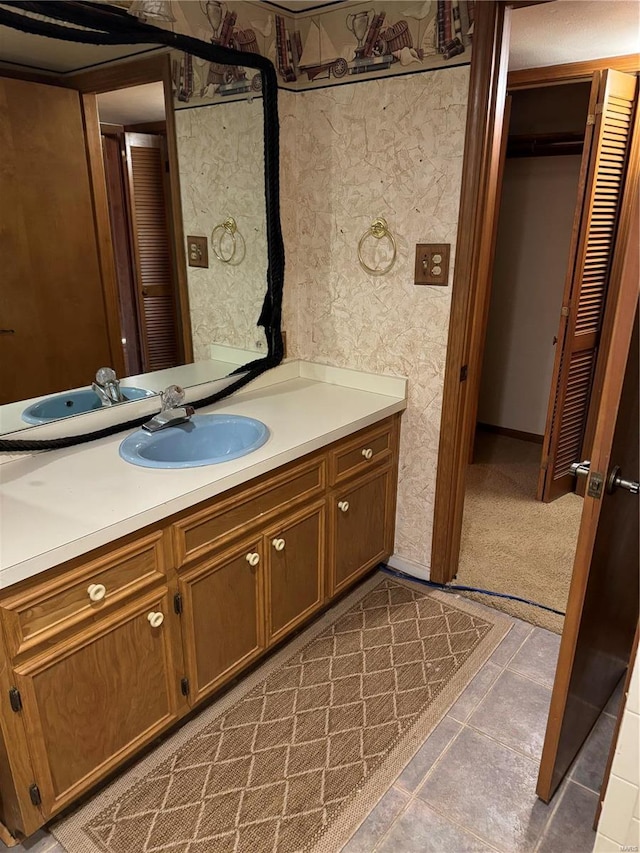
349 43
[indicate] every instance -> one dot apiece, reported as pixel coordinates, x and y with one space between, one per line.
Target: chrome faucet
107 387
172 411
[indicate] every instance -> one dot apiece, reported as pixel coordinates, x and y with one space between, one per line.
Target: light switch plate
197 252
432 263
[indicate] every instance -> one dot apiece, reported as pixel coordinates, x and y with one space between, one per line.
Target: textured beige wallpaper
393 148
221 157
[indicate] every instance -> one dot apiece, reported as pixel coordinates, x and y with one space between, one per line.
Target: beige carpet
511 542
296 756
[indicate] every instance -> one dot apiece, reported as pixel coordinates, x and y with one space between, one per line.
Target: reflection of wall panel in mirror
221 162
52 291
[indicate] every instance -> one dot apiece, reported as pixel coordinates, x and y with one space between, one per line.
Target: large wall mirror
139 223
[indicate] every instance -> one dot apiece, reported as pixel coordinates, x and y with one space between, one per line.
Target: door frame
154 69
479 208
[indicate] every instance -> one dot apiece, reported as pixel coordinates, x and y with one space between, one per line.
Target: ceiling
47 54
135 105
573 30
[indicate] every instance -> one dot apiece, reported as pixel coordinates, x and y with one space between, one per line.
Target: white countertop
60 504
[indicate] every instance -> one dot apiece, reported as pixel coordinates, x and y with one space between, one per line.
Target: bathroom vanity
140 593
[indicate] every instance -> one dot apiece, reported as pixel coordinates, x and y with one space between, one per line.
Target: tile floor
471 786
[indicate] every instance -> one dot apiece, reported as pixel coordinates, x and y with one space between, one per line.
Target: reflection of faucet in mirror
172 411
107 387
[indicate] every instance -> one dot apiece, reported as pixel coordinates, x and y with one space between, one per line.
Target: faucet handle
105 374
172 397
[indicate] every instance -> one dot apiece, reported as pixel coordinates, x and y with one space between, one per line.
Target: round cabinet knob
343 506
367 453
278 544
155 619
97 591
253 559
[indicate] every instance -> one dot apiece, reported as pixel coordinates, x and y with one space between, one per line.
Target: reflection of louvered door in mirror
602 177
152 240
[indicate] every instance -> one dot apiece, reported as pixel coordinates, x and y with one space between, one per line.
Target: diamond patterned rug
295 757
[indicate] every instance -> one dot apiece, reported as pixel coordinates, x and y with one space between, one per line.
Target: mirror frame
107 25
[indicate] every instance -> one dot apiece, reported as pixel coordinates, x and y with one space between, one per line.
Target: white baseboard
409 567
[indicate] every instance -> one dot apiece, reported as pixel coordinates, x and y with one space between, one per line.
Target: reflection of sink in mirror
203 440
74 403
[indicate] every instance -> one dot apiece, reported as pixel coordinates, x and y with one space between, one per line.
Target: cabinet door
361 528
89 704
222 621
295 583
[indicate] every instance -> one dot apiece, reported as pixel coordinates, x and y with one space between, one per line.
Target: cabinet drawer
356 455
199 533
40 614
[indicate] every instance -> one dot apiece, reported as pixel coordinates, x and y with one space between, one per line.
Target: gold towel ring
228 227
377 229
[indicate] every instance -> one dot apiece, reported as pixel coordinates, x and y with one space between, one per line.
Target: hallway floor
511 542
471 786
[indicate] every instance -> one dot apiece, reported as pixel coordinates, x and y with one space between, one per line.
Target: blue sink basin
204 440
73 403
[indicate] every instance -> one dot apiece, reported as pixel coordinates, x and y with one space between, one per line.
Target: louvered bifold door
155 286
604 164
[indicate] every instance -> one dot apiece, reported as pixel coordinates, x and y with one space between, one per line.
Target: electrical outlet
197 252
432 263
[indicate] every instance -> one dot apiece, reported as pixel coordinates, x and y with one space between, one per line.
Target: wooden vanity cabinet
222 622
294 571
362 515
90 704
100 656
363 474
237 603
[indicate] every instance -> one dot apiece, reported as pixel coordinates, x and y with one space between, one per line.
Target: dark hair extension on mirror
105 24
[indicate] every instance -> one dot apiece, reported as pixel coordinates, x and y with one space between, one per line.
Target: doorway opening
511 540
133 135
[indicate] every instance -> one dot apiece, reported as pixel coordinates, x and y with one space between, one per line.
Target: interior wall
550 109
389 148
532 250
619 825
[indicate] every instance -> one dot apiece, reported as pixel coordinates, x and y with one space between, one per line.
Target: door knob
343 506
253 559
617 481
97 591
367 452
278 544
580 469
155 619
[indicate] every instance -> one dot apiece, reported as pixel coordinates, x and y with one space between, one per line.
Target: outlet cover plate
197 251
432 263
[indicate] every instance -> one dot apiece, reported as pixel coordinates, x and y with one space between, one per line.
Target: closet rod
544 144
